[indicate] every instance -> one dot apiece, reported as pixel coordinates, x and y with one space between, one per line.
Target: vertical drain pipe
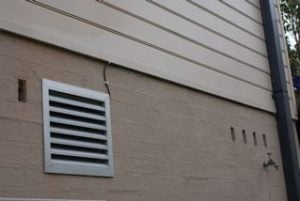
285 125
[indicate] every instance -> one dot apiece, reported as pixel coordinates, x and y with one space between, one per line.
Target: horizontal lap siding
207 45
244 8
194 52
219 9
203 19
254 3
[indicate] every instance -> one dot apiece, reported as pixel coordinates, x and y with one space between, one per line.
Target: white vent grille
77 131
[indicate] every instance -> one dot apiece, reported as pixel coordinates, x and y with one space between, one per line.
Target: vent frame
77 167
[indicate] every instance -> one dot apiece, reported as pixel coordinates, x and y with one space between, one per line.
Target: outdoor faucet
270 162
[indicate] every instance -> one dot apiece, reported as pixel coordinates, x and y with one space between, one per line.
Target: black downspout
285 124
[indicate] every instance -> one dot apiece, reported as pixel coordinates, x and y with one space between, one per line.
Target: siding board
230 16
191 32
245 9
255 3
204 19
164 41
163 50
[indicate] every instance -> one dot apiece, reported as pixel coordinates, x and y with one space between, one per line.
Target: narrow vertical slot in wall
254 139
22 91
232 134
244 136
265 140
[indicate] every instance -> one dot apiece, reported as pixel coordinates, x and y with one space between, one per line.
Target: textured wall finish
170 142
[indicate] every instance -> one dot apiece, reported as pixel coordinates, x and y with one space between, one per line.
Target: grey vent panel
77 130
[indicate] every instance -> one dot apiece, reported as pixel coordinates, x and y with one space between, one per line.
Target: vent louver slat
78 143
76 123
78 154
76 104
78 135
76 113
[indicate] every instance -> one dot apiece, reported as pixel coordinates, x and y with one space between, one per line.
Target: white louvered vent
77 130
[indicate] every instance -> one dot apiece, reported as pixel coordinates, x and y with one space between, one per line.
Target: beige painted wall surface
170 142
214 46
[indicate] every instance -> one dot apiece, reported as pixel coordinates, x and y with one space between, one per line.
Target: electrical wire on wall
106 82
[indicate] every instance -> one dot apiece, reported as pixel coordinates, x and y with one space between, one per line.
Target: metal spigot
270 162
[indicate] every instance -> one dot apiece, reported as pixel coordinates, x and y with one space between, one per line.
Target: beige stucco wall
170 142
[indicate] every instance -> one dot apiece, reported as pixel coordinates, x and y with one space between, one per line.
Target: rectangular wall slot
22 90
244 136
254 138
232 131
265 140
